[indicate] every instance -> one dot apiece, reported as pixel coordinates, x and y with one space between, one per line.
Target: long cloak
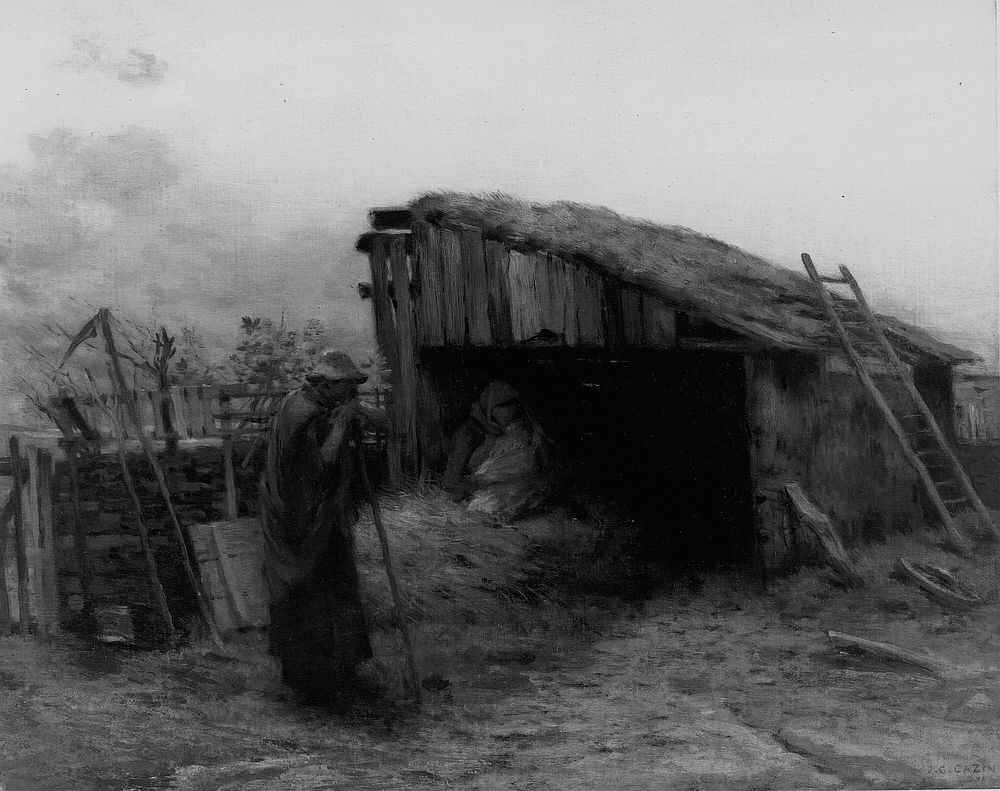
308 511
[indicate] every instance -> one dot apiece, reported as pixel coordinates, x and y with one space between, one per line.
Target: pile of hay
484 601
458 565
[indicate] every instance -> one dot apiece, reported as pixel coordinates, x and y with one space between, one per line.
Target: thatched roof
691 272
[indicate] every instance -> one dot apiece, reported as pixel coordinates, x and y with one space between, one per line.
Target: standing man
308 511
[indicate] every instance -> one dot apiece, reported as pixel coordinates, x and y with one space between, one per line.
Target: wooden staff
80 531
130 409
147 549
397 599
25 572
6 514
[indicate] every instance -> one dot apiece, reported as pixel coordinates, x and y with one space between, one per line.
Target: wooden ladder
919 434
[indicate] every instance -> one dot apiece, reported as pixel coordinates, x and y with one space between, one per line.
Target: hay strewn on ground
709 684
476 589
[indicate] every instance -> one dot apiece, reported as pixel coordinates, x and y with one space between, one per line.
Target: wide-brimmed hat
336 366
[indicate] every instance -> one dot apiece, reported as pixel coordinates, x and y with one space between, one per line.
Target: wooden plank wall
400 335
194 409
457 289
481 292
405 372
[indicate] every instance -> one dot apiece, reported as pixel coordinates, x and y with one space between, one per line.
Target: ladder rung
915 414
956 501
832 279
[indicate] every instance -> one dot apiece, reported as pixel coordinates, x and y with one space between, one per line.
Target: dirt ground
531 682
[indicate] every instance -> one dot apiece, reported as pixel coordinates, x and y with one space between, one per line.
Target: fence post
20 539
232 501
80 531
5 518
40 463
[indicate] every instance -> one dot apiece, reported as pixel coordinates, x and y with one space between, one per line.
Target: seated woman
500 456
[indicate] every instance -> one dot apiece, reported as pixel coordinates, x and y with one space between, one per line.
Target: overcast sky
201 160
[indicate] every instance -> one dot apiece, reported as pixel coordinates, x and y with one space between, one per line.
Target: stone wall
107 515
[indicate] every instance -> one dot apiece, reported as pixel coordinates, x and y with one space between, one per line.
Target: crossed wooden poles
101 323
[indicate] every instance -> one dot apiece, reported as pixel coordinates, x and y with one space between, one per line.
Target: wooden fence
191 412
227 412
976 421
28 593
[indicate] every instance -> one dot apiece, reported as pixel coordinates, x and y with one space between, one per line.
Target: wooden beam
429 424
660 323
385 326
245 390
497 257
708 345
571 325
390 218
366 242
385 332
24 564
476 285
611 312
404 374
232 496
207 394
453 288
5 621
552 294
429 282
80 530
29 515
633 322
588 287
42 469
525 306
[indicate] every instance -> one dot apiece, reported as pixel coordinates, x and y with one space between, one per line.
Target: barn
683 377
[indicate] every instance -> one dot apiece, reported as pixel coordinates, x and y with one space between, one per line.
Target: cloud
133 65
119 220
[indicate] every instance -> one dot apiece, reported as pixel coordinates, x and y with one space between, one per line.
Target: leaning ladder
922 440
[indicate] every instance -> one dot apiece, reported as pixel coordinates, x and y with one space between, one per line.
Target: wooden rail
228 412
197 411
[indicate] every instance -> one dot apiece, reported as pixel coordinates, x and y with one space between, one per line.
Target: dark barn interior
663 435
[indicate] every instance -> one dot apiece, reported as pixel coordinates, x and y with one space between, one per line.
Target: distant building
977 405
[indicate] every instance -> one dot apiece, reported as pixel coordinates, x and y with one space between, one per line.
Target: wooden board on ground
230 559
940 584
890 653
